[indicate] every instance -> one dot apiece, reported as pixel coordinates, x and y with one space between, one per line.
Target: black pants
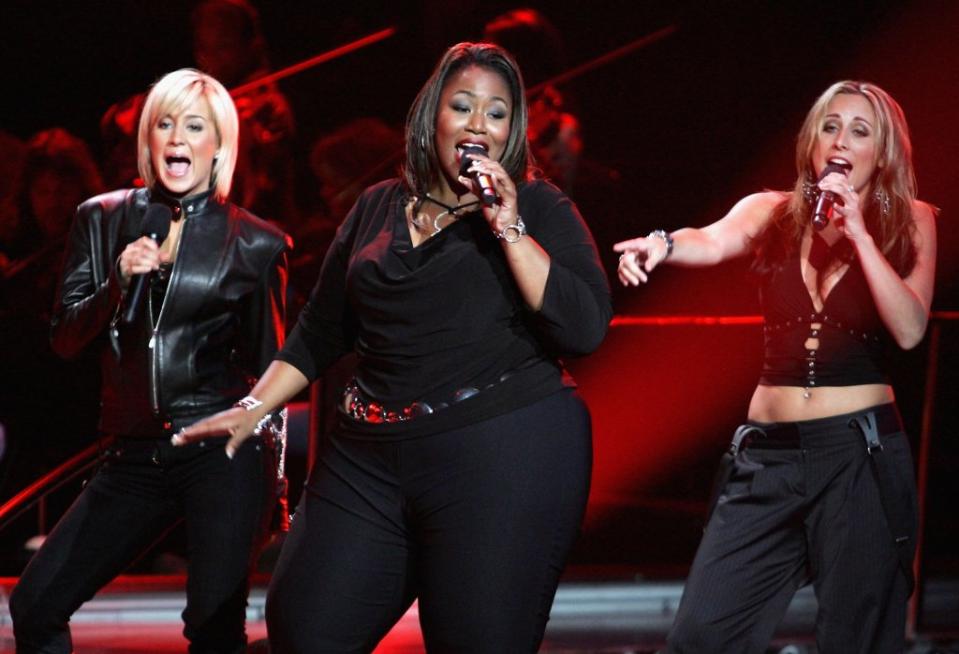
794 514
475 522
139 492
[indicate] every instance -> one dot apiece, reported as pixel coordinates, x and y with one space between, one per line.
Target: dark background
674 134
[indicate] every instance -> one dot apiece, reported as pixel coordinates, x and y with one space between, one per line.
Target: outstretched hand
236 422
638 258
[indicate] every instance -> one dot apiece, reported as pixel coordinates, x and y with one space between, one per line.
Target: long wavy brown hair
893 183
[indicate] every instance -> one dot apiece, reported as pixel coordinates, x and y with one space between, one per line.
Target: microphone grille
833 168
156 221
466 161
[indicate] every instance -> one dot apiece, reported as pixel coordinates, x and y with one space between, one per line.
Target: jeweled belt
360 407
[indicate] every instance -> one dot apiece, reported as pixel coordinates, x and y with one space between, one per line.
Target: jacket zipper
154 351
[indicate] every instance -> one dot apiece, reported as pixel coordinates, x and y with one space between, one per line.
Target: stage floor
603 617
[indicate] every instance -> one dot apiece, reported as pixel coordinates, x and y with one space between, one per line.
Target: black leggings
475 522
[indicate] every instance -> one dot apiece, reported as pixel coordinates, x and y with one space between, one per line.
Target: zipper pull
152 342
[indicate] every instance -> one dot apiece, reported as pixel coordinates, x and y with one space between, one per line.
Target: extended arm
727 238
278 385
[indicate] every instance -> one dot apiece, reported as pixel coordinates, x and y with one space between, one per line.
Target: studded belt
358 406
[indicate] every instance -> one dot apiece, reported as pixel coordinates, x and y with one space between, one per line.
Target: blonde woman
209 319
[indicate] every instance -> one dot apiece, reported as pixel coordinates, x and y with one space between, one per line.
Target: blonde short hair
173 93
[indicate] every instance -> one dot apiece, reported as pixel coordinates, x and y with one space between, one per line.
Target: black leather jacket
218 327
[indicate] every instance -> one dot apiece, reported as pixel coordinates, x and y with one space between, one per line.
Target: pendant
806 394
437 228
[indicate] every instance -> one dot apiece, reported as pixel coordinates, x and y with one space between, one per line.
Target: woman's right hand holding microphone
140 257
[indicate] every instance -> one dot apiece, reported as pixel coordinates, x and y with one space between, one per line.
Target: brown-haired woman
822 485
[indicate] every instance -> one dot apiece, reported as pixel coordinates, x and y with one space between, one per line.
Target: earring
810 191
882 199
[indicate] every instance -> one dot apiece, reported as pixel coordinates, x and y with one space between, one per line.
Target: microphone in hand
827 199
156 225
488 194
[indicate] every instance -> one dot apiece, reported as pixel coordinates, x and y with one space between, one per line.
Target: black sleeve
577 306
264 324
325 329
89 294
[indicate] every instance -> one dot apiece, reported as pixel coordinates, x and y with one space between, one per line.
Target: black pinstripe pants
794 514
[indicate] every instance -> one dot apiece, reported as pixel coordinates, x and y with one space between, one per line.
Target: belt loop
866 423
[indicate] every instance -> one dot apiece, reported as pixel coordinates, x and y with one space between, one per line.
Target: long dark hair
888 208
422 168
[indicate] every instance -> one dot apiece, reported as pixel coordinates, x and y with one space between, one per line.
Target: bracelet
514 232
249 403
667 239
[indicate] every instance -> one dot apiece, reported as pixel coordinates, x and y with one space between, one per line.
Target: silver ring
852 189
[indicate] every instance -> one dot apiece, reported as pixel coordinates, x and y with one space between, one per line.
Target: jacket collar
189 206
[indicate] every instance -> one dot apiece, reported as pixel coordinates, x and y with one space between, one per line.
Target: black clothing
476 522
219 328
852 339
802 503
789 515
428 320
129 503
475 515
218 325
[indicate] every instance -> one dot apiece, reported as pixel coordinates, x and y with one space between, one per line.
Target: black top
217 324
429 320
852 338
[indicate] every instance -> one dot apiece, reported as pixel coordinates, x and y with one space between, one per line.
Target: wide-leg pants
142 489
790 515
476 522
